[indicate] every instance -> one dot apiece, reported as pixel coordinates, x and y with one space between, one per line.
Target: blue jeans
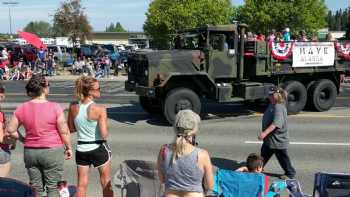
107 70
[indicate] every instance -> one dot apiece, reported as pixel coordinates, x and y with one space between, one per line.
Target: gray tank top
184 174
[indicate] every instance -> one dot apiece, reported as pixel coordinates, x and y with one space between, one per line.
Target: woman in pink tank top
46 136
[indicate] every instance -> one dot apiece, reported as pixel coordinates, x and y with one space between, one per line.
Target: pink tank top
40 124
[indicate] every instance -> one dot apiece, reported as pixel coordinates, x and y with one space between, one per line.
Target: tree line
164 18
339 20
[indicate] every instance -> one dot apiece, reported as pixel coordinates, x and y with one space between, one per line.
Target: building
119 38
322 33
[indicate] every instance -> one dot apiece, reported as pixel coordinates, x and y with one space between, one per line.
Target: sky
130 13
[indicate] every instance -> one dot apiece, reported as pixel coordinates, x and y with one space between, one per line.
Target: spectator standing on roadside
41 55
107 66
182 156
115 59
50 65
275 132
89 120
4 54
90 67
5 145
46 137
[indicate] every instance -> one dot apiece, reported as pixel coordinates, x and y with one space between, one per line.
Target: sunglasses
98 89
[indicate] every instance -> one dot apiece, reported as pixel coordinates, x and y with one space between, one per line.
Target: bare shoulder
203 155
73 106
98 108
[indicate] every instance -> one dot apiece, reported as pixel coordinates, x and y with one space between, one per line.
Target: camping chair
292 186
331 184
137 178
14 188
228 183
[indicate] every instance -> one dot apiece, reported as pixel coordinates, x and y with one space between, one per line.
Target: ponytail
180 145
82 86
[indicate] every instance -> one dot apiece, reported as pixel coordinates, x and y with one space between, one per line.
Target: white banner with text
311 54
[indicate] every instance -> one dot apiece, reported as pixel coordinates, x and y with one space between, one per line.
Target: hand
68 153
262 135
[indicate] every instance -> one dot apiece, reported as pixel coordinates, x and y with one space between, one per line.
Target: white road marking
306 143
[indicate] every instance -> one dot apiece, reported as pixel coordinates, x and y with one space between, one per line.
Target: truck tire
151 105
296 96
179 99
323 94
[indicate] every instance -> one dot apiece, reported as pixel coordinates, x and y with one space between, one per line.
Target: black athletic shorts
97 157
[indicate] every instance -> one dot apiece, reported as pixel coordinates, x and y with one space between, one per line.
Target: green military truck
218 63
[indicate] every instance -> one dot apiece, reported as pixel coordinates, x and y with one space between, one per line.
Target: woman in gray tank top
183 168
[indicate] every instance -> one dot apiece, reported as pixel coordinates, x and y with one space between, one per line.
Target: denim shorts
5 155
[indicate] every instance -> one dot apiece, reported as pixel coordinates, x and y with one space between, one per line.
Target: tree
340 20
70 20
165 17
264 15
40 28
115 28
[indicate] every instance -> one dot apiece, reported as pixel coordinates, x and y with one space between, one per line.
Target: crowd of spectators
21 62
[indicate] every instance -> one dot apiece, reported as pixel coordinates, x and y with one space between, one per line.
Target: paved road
320 141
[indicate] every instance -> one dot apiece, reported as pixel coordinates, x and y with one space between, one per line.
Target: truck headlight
129 69
146 72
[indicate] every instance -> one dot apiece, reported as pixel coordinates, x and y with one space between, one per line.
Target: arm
11 129
71 125
2 132
159 164
208 170
267 131
102 122
64 134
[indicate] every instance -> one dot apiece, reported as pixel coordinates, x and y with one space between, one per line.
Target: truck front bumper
140 90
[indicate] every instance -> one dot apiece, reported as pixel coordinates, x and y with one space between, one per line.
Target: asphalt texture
319 140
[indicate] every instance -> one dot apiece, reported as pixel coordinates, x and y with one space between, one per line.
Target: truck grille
138 67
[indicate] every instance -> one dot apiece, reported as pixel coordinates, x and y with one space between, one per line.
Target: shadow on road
131 114
226 164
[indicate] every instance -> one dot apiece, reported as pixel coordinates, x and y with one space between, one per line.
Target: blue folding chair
14 188
230 183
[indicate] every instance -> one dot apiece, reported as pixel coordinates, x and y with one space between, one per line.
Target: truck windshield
189 41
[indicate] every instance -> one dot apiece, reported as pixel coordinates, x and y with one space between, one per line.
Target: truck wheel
323 94
150 105
179 99
296 96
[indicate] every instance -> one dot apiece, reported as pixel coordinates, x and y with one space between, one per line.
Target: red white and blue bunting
281 50
343 50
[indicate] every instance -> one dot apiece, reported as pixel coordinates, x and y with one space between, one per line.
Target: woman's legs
83 178
105 179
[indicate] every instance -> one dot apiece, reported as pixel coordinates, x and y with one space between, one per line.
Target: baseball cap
185 121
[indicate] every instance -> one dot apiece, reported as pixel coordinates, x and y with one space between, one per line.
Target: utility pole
9 4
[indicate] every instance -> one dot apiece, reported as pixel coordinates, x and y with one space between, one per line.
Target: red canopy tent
32 39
